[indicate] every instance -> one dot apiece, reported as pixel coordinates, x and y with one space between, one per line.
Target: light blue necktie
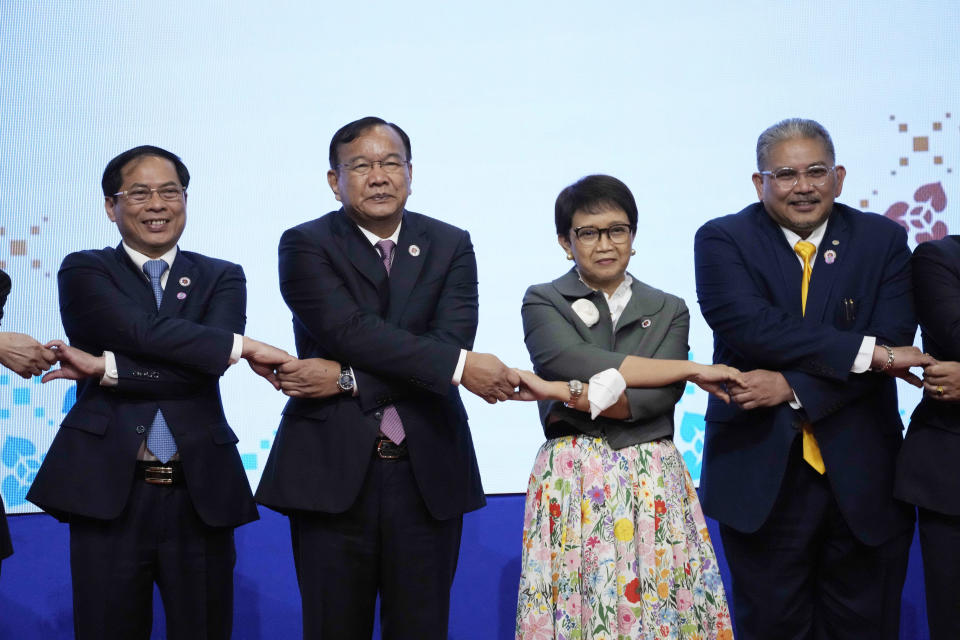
160 441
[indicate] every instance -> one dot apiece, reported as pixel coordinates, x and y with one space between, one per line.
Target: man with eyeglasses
807 296
373 460
145 467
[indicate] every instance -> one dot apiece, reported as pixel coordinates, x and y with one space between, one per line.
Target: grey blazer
654 324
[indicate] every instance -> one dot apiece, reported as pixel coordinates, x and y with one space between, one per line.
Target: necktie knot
805 249
386 248
155 268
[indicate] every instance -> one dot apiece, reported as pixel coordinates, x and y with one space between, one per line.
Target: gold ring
939 391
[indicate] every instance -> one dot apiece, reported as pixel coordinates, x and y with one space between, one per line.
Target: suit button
378 414
141 429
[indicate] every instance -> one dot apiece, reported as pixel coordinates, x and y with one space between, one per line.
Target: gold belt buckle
158 475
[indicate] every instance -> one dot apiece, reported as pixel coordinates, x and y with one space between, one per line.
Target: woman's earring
569 256
633 252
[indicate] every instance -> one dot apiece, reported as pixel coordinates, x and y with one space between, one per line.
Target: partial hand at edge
486 376
75 364
760 388
264 359
941 381
23 355
904 358
309 378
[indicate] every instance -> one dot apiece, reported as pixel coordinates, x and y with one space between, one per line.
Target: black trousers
939 544
804 575
159 538
387 543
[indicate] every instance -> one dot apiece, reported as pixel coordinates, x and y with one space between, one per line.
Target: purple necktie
390 424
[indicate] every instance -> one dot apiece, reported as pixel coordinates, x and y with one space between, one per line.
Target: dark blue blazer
171 359
6 548
927 469
402 335
748 286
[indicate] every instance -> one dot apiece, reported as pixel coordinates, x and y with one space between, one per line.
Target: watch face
345 382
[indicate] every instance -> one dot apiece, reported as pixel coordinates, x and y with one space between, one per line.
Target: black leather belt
387 450
169 474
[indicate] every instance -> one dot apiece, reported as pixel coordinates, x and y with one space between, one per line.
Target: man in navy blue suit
145 467
807 295
373 460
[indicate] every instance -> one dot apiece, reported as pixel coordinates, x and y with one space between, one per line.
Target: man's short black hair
113 174
593 194
350 132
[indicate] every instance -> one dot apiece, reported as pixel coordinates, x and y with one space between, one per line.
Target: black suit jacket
402 335
748 285
171 359
926 470
5 547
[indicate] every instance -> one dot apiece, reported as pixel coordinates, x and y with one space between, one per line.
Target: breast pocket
223 434
89 421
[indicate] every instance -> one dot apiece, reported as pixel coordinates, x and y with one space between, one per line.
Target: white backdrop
506 103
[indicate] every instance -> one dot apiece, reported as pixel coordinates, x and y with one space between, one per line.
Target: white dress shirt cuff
458 372
110 376
865 355
604 391
237 348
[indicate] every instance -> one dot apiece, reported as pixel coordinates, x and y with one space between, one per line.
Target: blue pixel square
4 379
264 444
4 413
249 461
21 395
38 412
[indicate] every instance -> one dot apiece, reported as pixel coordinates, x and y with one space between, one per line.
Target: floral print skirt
615 547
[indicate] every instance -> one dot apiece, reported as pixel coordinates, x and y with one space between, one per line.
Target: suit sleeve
560 353
160 379
181 352
936 282
315 289
740 312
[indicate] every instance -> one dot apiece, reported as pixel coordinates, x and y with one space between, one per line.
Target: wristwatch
576 389
345 381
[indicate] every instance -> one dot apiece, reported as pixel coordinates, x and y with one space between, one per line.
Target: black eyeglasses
618 234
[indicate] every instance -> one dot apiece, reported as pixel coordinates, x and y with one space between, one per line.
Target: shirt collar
815 237
139 259
374 238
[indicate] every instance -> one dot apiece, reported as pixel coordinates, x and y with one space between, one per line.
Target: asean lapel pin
184 281
414 250
646 323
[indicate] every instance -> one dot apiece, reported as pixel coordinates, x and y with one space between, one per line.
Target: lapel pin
414 250
646 323
181 295
829 256
184 282
835 242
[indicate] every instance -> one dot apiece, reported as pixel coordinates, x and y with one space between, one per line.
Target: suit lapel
413 247
133 280
182 279
363 255
572 289
640 306
837 240
782 257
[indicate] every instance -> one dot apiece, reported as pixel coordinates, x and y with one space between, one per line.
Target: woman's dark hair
593 194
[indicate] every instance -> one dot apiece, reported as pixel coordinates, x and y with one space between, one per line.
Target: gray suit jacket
654 324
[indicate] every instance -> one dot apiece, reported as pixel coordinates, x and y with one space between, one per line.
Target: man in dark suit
145 467
808 294
927 468
373 460
26 357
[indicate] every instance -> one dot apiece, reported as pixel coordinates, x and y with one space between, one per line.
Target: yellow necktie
811 450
